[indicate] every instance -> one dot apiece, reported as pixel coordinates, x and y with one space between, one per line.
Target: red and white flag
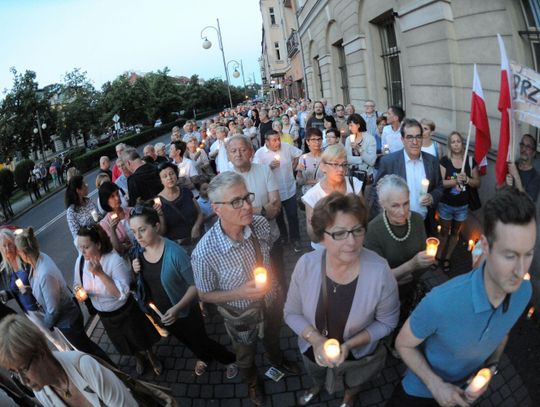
505 104
480 120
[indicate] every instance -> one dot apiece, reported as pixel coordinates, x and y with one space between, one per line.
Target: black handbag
88 302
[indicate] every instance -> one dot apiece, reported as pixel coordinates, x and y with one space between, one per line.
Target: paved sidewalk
213 389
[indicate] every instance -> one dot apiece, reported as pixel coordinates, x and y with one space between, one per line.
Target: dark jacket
144 183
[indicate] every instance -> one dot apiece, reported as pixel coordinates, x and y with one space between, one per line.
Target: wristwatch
263 211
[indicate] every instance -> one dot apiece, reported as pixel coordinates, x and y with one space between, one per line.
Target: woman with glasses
308 172
332 137
106 278
334 166
58 378
166 270
398 235
359 304
181 212
51 292
360 145
454 205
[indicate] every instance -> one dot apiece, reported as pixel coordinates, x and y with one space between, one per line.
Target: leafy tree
22 173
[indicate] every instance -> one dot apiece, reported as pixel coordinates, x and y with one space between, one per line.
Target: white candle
114 216
425 186
261 276
19 283
18 231
481 379
276 157
527 276
153 306
432 243
95 215
386 149
332 349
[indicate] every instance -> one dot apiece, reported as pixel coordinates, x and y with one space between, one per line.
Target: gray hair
222 129
159 146
6 234
130 154
242 138
222 182
390 182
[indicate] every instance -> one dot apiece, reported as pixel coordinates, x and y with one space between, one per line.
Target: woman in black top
454 204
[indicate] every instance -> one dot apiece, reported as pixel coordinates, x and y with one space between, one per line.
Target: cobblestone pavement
213 389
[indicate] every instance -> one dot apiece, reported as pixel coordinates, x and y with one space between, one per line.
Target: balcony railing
292 44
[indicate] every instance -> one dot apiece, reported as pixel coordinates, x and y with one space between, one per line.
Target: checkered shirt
222 264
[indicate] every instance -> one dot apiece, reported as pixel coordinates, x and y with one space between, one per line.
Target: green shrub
22 172
7 181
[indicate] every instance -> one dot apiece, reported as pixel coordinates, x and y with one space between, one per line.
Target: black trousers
401 399
191 331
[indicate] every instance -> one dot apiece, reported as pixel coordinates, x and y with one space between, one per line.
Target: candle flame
471 245
19 231
157 200
332 349
432 244
479 382
527 276
439 227
114 216
530 313
261 276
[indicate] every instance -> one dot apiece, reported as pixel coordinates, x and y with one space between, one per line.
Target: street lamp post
37 130
236 73
207 44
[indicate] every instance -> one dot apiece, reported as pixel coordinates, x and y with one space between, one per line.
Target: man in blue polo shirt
463 325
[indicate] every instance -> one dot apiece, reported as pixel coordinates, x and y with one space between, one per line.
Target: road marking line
60 215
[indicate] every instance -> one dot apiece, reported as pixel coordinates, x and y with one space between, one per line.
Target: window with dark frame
272 16
391 59
278 53
342 66
319 74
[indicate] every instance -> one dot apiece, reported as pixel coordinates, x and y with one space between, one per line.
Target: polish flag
480 120
505 104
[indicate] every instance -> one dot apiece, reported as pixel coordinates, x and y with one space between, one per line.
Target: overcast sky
108 37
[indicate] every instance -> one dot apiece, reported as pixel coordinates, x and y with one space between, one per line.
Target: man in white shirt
188 175
218 151
391 135
281 158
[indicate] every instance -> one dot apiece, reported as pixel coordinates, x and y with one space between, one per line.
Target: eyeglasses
337 165
527 146
237 203
316 139
23 371
344 234
410 137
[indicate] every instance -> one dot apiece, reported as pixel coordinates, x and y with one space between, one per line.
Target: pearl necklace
392 235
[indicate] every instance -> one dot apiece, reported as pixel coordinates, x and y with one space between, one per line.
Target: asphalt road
49 221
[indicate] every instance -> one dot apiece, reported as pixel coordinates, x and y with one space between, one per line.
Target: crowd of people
203 223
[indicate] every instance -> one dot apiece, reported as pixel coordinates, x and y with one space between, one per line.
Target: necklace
66 393
334 286
392 235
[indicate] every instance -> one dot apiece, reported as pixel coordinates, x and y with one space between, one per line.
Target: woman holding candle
53 295
398 235
181 213
81 211
106 277
166 270
454 205
115 222
360 145
341 328
198 155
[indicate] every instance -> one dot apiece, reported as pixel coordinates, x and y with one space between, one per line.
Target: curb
36 203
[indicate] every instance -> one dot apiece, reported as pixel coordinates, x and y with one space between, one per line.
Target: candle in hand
80 293
332 349
386 149
153 306
276 157
260 276
481 379
425 186
18 231
471 245
157 201
95 215
114 216
19 283
432 243
527 276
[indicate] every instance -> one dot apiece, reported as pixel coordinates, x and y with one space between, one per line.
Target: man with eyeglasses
413 165
224 262
341 121
524 176
370 116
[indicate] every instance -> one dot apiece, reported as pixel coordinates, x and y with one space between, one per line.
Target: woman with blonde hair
429 145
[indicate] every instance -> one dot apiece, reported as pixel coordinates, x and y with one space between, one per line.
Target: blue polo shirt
460 328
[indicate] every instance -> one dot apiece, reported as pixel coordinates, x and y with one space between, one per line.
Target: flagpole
466 147
511 157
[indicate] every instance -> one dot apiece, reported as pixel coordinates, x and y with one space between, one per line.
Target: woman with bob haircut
57 378
81 211
342 292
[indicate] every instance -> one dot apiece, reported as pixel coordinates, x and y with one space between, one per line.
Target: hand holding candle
261 276
424 187
80 293
478 383
20 285
332 350
157 201
432 244
95 215
156 310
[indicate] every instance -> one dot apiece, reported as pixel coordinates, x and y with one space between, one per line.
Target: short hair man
391 134
144 182
116 172
104 165
188 175
370 116
413 165
223 265
463 325
524 176
317 117
265 125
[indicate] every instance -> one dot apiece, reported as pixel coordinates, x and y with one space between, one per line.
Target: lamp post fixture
37 130
207 44
236 73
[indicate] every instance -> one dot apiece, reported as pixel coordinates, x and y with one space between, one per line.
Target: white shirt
284 173
392 138
117 269
187 168
188 136
432 149
222 161
415 172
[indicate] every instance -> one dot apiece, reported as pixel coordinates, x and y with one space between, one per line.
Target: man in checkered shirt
223 264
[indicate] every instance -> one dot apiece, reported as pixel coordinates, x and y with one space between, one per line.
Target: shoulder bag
88 301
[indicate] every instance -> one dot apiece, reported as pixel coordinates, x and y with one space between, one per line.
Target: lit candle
153 306
351 138
432 243
386 149
342 131
19 283
260 276
439 227
332 349
425 186
471 245
198 150
18 231
527 276
80 293
201 145
114 216
95 215
481 379
276 157
530 313
157 201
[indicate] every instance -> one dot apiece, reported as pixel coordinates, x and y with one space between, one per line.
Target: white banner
526 94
